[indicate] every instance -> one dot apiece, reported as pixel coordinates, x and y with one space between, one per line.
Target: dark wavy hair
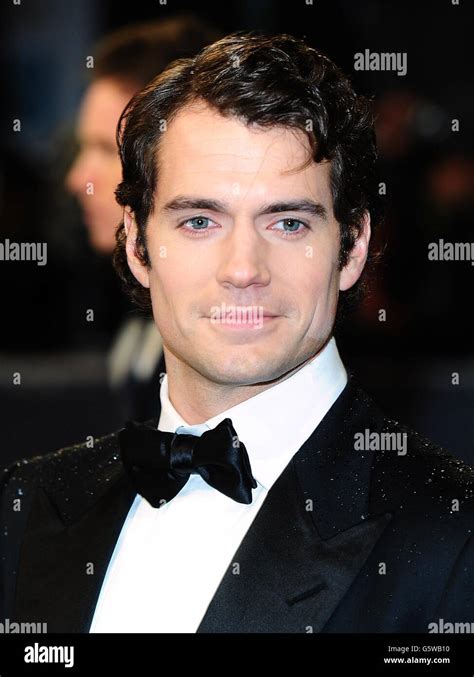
267 81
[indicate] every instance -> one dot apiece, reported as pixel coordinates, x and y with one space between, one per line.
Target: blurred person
124 62
269 493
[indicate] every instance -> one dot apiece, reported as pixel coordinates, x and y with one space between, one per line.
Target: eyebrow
307 206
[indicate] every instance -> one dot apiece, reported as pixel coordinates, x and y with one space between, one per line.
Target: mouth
244 324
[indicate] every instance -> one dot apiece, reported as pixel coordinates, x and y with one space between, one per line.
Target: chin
244 370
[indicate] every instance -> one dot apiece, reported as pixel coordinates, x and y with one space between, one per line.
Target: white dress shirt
169 561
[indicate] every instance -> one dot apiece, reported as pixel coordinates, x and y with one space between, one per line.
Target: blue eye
291 226
201 222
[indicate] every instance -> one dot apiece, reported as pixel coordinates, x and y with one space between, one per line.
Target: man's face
238 225
96 171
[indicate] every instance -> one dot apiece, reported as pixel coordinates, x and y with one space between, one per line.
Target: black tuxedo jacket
346 540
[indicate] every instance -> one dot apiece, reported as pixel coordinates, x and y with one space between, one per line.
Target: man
124 62
269 494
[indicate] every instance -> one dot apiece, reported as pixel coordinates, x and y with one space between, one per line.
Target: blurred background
75 358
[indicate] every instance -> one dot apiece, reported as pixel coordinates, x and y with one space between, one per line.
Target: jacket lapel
67 546
311 537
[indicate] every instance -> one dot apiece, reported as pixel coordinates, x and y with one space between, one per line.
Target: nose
244 257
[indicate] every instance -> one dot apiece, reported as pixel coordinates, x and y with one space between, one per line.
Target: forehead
202 149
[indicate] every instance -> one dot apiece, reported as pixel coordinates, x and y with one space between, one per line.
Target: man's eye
291 226
198 222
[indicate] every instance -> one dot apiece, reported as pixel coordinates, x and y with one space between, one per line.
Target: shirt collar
274 424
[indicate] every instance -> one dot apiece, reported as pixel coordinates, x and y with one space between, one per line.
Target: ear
139 269
357 257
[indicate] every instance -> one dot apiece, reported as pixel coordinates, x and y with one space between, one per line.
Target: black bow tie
160 463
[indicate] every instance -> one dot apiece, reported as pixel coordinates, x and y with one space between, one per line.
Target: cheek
316 279
172 282
164 283
179 267
316 294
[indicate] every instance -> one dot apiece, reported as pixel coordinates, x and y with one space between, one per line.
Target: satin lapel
311 537
65 556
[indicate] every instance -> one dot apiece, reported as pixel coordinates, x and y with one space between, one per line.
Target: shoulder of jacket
85 457
424 475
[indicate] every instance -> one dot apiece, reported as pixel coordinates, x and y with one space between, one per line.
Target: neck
197 399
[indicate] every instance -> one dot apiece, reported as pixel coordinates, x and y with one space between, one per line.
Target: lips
251 325
263 315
